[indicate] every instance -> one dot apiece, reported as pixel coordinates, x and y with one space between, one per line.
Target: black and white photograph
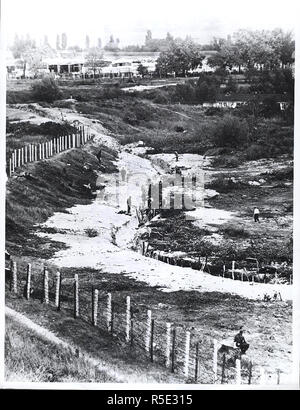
149 201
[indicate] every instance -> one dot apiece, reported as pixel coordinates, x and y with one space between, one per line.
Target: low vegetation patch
29 358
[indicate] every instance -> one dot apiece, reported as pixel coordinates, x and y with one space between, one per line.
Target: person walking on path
256 214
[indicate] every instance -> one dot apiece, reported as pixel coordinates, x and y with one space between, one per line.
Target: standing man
176 156
256 214
129 205
99 156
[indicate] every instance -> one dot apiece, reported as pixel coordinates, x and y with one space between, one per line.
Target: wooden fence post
232 269
73 140
148 331
46 286
168 344
76 296
152 340
278 376
215 361
238 371
250 373
57 290
10 168
28 281
112 318
26 154
13 277
173 351
95 306
69 139
15 157
187 353
223 369
40 152
128 310
131 326
197 363
19 158
262 379
22 156
108 312
12 162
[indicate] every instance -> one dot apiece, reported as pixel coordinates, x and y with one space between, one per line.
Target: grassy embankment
30 358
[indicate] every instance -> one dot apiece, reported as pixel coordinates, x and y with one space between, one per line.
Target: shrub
255 151
230 131
227 161
211 111
185 93
46 90
91 233
179 128
235 231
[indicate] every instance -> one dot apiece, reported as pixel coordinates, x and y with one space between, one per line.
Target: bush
178 128
235 231
185 93
255 151
227 161
91 233
46 90
230 131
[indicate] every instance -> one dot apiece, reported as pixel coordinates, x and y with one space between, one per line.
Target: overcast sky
130 19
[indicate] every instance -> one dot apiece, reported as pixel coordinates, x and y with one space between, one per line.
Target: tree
64 41
148 37
142 70
22 49
57 42
94 60
112 45
169 38
46 41
99 43
46 90
180 57
87 42
231 132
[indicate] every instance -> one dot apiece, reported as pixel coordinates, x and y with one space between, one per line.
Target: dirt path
111 370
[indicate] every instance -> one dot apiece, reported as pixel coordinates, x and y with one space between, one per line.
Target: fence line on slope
171 345
37 152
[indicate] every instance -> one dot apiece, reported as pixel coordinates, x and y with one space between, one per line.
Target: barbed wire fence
174 347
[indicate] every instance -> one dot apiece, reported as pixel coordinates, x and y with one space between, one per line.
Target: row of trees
248 50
